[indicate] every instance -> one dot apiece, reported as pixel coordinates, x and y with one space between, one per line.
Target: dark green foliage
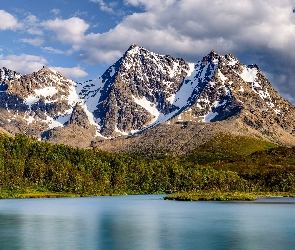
27 165
270 170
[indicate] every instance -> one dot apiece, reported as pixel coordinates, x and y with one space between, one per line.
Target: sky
82 38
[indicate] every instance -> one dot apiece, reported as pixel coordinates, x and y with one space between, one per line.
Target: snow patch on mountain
112 71
232 62
73 96
171 98
149 106
189 84
120 132
191 69
30 119
30 100
62 119
52 123
222 76
189 90
93 121
91 95
46 92
249 74
212 114
241 89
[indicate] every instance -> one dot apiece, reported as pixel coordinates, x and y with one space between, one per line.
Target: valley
150 124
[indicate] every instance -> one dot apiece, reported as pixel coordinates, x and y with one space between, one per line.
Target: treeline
27 164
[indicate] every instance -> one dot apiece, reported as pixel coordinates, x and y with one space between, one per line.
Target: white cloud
31 24
191 28
23 63
103 6
75 72
55 11
56 51
80 13
35 31
68 31
34 41
31 19
95 54
8 21
151 4
185 28
27 64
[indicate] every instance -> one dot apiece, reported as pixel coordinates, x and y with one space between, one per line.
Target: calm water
146 222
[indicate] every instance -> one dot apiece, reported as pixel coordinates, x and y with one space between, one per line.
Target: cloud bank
260 31
28 63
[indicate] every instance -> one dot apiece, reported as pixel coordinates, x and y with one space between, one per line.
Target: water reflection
146 222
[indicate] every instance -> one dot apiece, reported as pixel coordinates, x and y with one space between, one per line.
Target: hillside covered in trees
29 168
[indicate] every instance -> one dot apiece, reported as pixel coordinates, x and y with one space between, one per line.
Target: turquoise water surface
146 222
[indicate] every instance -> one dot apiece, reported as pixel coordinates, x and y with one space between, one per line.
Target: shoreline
226 196
179 196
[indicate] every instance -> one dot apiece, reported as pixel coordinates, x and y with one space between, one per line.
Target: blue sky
81 38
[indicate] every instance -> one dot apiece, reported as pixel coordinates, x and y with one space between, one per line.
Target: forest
29 168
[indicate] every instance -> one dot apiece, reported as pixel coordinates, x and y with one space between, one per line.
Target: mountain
37 102
146 100
132 93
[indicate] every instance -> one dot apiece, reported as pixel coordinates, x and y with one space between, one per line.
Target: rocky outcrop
72 135
79 117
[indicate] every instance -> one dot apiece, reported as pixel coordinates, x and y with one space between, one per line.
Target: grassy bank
28 194
34 194
224 196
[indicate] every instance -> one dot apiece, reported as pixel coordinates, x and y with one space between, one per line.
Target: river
146 222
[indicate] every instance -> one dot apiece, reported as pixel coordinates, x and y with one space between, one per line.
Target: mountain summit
134 91
142 94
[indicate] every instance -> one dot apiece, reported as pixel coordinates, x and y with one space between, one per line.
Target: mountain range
147 101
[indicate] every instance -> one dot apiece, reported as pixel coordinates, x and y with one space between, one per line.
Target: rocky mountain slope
37 102
157 101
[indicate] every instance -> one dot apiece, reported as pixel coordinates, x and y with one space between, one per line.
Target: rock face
132 92
37 102
145 95
79 117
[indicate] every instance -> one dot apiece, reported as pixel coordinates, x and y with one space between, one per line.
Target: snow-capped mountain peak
140 91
